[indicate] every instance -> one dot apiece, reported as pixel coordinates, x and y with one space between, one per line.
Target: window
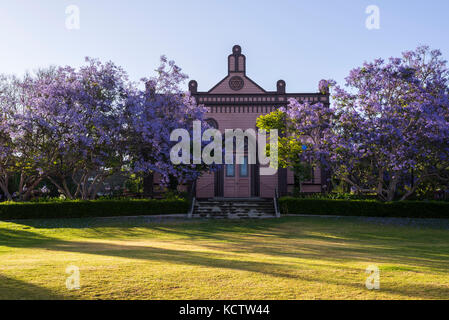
230 170
212 122
244 167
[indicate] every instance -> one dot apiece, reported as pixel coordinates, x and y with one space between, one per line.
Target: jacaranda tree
9 158
65 125
150 117
76 127
386 133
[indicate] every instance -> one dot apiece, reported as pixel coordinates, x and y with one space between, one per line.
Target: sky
298 41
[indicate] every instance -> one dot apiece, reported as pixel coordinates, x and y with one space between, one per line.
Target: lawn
288 258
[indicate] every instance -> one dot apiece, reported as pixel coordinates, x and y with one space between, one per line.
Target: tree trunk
391 192
64 189
98 182
412 190
5 190
33 186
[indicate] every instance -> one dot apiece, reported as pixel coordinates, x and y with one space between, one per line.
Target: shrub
334 196
369 208
85 209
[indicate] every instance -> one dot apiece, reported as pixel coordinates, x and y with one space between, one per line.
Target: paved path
138 220
410 222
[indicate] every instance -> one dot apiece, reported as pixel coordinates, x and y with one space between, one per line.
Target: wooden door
237 179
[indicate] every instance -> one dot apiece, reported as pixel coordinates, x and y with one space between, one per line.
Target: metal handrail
192 208
206 186
193 200
276 203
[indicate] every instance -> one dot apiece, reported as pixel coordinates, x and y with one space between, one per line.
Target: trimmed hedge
87 209
367 208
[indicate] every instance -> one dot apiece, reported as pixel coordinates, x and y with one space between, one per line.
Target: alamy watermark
72 20
212 153
373 280
73 280
373 20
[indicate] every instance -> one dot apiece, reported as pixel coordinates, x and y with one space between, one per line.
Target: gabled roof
237 87
249 86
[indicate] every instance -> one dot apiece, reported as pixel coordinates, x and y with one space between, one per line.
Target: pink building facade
235 103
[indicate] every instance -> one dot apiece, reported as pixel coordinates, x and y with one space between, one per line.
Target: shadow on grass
322 239
23 239
13 289
331 242
229 262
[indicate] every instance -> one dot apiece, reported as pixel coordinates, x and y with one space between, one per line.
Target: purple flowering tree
24 153
83 111
387 133
393 124
304 129
9 95
63 124
151 115
325 85
80 126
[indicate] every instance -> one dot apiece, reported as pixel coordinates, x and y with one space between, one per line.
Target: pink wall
237 114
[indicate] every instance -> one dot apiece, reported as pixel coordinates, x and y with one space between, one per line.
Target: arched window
212 122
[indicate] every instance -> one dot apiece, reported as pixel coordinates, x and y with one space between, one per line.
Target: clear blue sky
298 41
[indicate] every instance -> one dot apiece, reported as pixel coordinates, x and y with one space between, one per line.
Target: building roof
238 88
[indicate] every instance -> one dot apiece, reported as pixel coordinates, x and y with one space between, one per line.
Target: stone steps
234 209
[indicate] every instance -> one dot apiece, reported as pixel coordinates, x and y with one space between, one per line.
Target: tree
394 120
80 126
150 117
8 158
75 116
391 121
63 124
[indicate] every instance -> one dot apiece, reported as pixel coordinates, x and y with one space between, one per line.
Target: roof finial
281 86
236 61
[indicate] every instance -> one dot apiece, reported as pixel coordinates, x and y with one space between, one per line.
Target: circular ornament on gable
236 83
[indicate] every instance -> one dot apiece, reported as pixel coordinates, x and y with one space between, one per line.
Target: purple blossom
325 85
390 121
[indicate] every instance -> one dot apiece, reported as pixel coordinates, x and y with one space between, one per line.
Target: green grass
289 258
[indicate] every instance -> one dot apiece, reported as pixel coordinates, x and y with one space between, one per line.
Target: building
235 103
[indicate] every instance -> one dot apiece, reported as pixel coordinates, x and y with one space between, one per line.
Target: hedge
87 209
367 208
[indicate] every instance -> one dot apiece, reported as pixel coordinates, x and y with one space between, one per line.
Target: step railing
192 208
193 200
276 203
206 186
